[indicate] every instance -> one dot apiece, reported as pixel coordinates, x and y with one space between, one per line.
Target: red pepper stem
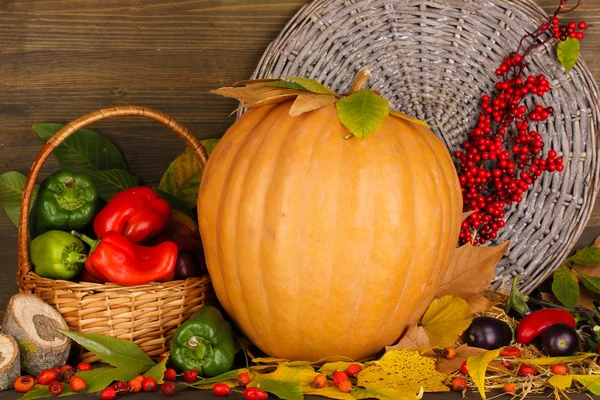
86 239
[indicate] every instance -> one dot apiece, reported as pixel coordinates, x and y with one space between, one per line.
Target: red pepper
114 258
137 213
537 322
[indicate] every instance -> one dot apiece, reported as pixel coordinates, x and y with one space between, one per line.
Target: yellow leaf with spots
403 370
478 365
446 319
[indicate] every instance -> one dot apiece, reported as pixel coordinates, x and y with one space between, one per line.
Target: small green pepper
204 342
57 255
65 201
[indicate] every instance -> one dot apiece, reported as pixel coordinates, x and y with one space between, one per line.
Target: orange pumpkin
319 245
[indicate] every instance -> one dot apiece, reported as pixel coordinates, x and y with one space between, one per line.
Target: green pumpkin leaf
158 371
11 192
591 382
182 178
100 377
116 352
588 256
83 150
310 84
283 383
516 300
362 112
386 394
568 53
565 286
477 366
590 282
110 182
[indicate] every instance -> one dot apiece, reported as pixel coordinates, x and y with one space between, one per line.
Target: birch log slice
33 324
10 364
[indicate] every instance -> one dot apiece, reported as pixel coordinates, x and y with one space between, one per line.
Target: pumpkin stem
360 81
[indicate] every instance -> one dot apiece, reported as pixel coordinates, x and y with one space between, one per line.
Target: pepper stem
71 196
86 239
360 81
75 258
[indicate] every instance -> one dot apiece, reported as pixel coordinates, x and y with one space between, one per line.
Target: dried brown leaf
255 81
470 272
414 337
467 214
255 93
448 366
309 102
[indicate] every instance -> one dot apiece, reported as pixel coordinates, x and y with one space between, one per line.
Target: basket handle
24 264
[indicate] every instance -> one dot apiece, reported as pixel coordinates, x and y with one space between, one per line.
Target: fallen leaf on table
386 394
283 383
561 381
464 351
403 370
446 319
470 272
330 368
415 337
306 381
591 382
477 367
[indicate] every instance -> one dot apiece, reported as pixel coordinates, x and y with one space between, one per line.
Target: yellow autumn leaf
269 360
403 370
446 319
306 381
561 381
386 394
590 382
478 365
408 118
554 360
283 383
331 367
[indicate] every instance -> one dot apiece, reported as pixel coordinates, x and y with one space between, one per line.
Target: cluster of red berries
502 156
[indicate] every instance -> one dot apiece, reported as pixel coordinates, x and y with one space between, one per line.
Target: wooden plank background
64 58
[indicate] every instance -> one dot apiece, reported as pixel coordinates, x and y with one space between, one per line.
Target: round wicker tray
434 60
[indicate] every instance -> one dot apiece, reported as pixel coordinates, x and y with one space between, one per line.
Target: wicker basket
147 314
434 59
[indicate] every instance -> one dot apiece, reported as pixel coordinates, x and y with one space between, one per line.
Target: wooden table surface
62 59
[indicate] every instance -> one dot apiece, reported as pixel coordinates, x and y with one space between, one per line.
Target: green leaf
174 202
41 391
588 256
311 85
110 182
386 394
116 352
561 381
225 376
182 177
284 84
100 377
591 382
590 282
477 367
83 150
565 286
283 383
11 191
516 300
362 112
158 371
568 53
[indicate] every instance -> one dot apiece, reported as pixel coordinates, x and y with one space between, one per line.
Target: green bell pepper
65 201
204 342
57 255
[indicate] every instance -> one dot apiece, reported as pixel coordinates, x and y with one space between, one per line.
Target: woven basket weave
434 60
147 314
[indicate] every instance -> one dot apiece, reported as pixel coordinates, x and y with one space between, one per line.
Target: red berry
353 369
55 388
108 393
122 388
555 21
47 376
253 393
579 35
511 351
24 384
221 389
572 25
582 25
339 376
243 379
345 386
459 384
68 372
168 389
320 381
463 368
190 376
84 366
170 375
509 388
77 384
525 370
559 369
149 384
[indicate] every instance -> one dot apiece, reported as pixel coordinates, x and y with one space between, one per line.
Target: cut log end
33 324
10 364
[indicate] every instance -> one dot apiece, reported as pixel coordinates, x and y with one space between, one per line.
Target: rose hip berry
122 388
59 374
511 351
243 379
338 377
149 384
108 393
320 381
190 376
345 386
253 393
221 389
463 368
84 366
509 388
170 375
559 369
168 389
77 384
449 352
525 370
135 385
68 372
353 369
24 384
459 384
55 388
47 376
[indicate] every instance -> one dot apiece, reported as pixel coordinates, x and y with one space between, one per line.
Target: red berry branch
502 156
